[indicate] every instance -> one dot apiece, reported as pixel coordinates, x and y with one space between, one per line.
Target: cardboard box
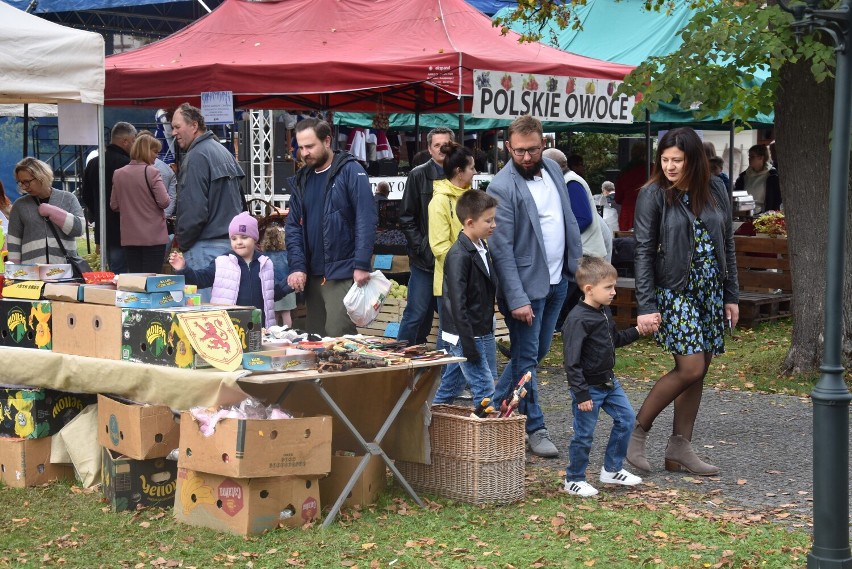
250 448
92 330
245 506
128 483
26 462
25 323
99 294
24 290
35 412
65 292
55 272
137 431
285 359
156 337
143 282
133 299
368 487
21 272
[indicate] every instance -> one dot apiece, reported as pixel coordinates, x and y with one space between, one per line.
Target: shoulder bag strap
58 240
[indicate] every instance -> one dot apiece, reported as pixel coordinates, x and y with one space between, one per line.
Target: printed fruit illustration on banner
530 84
483 79
194 492
506 81
552 84
610 88
570 85
590 87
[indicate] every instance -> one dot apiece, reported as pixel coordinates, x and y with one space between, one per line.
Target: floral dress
693 318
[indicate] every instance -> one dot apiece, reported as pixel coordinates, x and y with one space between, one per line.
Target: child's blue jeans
614 403
479 375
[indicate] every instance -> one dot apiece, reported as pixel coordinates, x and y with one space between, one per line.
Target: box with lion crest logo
156 336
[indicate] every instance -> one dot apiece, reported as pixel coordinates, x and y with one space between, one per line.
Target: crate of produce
473 460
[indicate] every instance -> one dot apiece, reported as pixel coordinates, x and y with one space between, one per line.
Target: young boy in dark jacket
590 338
467 308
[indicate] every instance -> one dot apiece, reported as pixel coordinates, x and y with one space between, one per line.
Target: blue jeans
419 308
479 375
529 345
614 402
117 259
201 254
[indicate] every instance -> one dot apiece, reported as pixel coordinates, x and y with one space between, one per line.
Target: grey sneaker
541 445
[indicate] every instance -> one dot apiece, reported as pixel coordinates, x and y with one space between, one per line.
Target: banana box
26 463
156 336
248 448
128 483
137 431
26 323
21 272
133 299
35 412
245 506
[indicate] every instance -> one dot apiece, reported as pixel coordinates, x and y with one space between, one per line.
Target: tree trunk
803 117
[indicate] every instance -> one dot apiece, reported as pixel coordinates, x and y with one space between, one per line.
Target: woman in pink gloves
31 239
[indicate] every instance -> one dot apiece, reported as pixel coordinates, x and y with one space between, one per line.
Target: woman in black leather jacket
686 288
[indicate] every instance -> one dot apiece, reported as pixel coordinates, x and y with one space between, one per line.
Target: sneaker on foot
621 477
541 445
580 488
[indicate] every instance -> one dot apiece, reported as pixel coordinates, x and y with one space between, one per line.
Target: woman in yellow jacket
444 224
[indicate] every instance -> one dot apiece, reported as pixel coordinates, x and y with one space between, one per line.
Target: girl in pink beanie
244 277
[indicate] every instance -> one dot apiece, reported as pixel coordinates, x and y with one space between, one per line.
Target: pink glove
56 214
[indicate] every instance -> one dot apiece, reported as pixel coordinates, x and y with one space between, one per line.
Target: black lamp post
830 396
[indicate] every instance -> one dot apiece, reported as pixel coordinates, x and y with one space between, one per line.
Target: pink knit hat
244 224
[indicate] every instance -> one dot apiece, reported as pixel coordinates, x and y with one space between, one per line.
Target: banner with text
503 95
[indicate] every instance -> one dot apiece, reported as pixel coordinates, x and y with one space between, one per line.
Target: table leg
370 448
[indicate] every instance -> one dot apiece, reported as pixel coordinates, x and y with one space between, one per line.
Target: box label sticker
212 335
309 509
230 497
113 430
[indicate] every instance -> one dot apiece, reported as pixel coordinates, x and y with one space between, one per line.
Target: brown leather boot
681 457
636 449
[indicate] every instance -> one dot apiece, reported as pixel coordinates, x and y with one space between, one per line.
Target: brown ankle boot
681 457
636 449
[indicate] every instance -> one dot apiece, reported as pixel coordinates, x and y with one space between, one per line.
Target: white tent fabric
43 62
36 110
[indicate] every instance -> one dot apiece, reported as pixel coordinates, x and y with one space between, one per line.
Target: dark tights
683 385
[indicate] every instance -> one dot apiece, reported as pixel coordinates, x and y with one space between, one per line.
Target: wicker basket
473 460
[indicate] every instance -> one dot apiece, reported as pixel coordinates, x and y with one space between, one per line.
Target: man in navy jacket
330 229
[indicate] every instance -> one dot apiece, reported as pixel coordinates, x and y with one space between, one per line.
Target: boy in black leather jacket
467 309
589 341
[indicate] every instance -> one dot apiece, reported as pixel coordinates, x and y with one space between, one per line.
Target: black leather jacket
665 242
414 217
468 306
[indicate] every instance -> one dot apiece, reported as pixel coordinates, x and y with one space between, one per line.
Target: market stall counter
391 402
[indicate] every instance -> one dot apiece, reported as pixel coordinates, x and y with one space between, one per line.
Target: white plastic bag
363 303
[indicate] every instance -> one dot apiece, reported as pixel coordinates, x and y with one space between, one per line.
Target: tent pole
416 135
26 129
461 121
648 151
101 213
731 155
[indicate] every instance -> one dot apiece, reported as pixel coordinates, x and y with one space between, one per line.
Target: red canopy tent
358 55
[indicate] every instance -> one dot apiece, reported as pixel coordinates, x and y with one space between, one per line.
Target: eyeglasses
519 152
25 183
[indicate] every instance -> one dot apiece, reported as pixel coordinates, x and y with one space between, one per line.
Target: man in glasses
535 246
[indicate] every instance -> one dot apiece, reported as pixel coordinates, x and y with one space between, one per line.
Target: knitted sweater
29 234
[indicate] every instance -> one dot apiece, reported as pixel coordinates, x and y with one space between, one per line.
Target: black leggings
145 258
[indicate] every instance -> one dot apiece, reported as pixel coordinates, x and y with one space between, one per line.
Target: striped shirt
31 240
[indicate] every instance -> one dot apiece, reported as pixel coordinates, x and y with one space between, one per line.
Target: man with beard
330 229
535 246
209 195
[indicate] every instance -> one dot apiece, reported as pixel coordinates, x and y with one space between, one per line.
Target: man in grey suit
535 246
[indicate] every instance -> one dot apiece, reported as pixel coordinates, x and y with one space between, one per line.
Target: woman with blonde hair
138 193
44 220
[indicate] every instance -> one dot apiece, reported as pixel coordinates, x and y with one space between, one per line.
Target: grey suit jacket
517 245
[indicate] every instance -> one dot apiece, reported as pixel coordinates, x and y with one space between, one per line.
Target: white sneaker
621 477
580 488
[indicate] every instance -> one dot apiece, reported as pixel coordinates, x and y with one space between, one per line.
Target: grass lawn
61 525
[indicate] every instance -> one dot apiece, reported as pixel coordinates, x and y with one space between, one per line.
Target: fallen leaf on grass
741 482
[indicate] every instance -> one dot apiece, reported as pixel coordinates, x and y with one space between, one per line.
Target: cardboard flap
211 333
26 290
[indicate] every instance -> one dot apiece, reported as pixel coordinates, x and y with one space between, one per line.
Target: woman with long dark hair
686 288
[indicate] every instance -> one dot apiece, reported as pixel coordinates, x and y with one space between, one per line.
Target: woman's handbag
78 264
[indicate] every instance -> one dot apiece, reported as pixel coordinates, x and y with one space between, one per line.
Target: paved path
762 444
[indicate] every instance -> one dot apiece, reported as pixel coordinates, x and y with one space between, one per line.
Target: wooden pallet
624 304
762 307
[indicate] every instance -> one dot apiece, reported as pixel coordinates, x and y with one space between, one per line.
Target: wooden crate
766 284
623 306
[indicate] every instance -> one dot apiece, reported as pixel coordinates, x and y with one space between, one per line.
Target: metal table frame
416 371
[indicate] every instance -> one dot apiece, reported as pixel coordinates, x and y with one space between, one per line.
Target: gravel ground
762 444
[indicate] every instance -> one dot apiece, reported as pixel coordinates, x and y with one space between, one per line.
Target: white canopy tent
43 62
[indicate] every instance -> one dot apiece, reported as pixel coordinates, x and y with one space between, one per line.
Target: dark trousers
145 258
